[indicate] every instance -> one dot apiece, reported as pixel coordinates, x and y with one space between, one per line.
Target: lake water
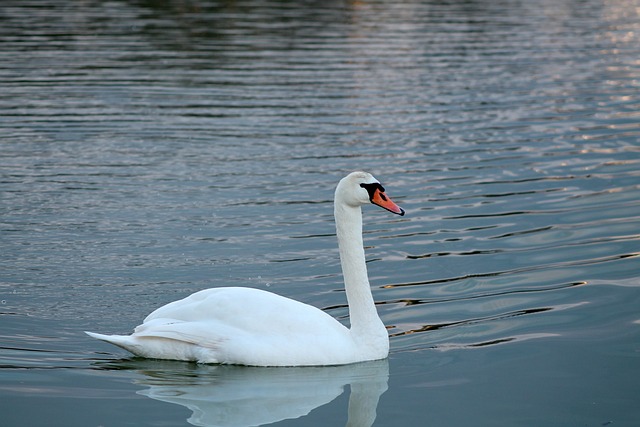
152 149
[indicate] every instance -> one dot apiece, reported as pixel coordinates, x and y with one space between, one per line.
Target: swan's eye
371 189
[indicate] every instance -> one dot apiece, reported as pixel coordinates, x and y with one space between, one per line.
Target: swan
247 326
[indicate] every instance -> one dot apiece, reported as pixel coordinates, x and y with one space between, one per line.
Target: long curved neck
362 311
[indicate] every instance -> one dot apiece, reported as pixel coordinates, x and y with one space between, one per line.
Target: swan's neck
365 322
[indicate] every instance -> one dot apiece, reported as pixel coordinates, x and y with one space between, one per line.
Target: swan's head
360 188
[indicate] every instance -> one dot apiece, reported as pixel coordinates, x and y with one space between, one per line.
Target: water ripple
151 150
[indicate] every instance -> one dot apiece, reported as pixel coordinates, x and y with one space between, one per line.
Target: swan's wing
245 326
248 310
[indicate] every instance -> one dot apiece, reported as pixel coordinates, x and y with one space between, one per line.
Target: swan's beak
381 199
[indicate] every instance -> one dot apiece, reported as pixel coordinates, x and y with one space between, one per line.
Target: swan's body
253 327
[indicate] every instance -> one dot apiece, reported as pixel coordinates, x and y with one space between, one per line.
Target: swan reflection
225 395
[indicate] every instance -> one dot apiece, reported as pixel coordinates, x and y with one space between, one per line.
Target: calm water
153 149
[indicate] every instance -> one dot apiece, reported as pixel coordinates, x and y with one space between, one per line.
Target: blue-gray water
153 149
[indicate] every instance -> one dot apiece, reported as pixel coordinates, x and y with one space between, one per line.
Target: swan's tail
122 341
159 347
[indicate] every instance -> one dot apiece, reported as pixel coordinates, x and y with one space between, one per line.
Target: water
150 150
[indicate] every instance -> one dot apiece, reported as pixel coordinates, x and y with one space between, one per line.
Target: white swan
248 326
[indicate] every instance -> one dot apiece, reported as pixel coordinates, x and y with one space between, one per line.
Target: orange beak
380 198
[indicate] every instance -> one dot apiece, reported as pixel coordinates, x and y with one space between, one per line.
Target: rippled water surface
153 149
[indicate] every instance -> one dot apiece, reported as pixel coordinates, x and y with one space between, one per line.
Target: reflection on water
152 149
245 396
